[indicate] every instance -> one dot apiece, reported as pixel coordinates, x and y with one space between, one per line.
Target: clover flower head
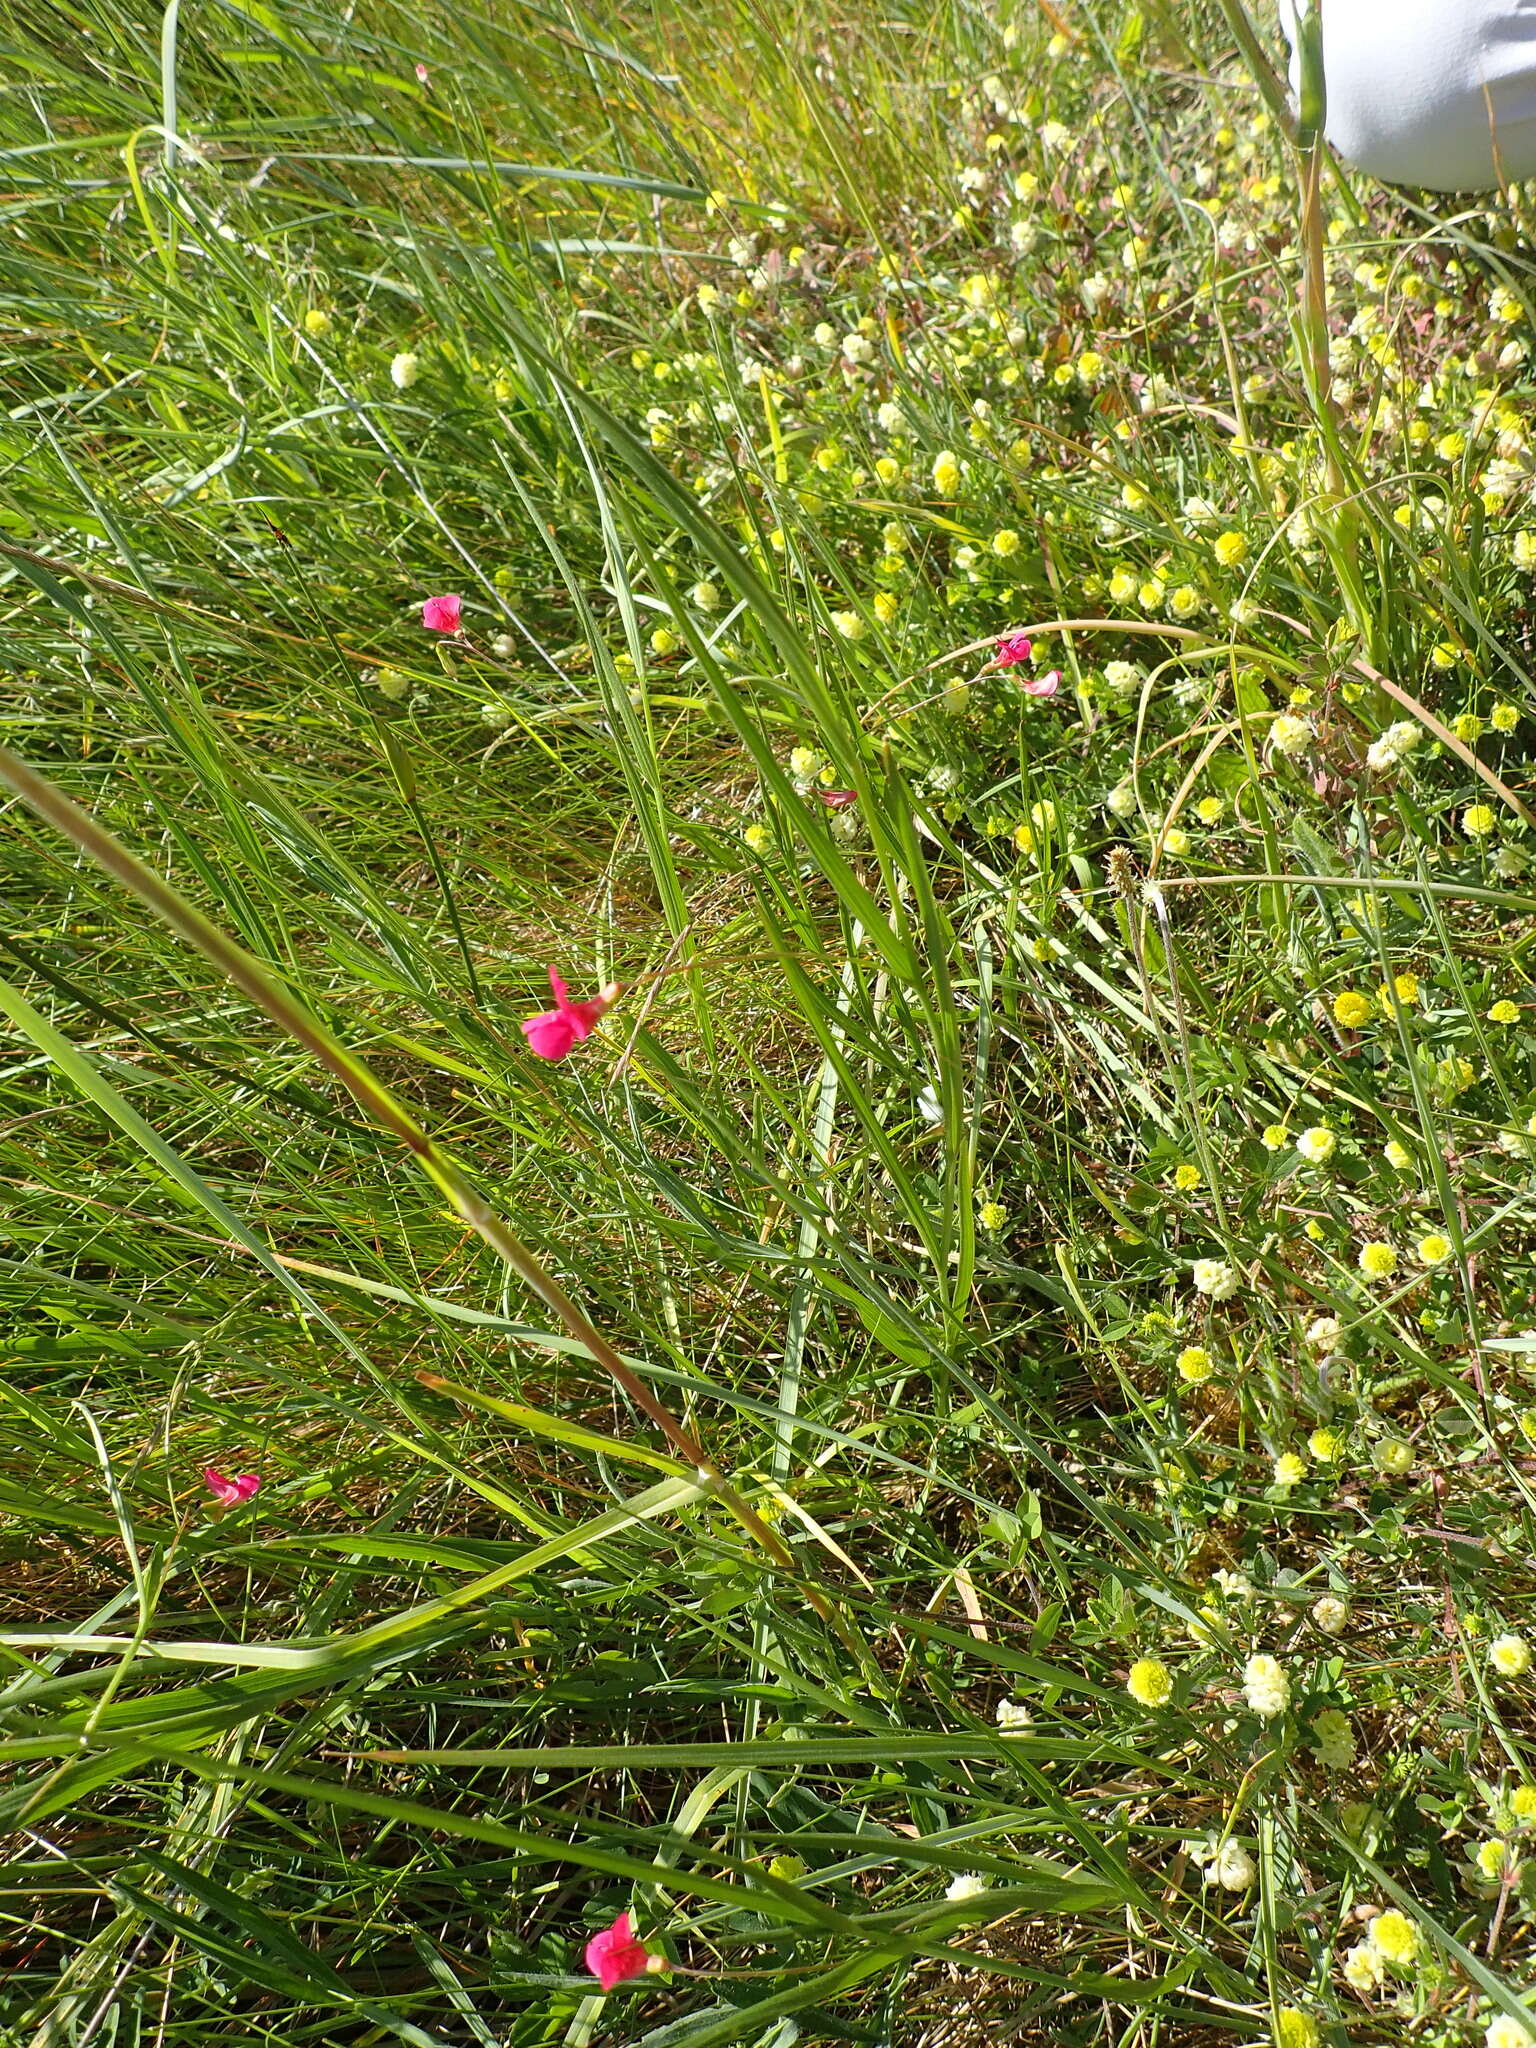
1333 1740
1505 2031
1149 1682
1331 1614
1213 1277
1396 1939
1392 1457
1363 1968
1266 1686
1232 1867
1510 1656
1295 2028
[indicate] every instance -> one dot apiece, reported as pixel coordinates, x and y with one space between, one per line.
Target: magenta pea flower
441 614
230 1491
834 799
553 1032
1042 686
615 1955
1012 649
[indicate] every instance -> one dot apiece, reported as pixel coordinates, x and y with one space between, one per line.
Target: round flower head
1377 1261
1275 1137
1317 1145
1478 821
1492 1859
1435 1249
967 1885
1351 1009
1194 1364
1295 2028
1232 1867
1333 1740
1323 1333
1510 1656
1013 1717
1392 1456
404 369
1213 1277
1363 1968
1150 1682
1265 1686
1289 734
1505 2031
1290 1470
1395 1938
1331 1614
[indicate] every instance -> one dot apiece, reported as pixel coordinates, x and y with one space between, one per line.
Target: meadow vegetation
967 1456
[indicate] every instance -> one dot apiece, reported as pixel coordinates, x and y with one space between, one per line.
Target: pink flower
1012 649
230 1491
834 799
441 614
1043 686
614 1955
553 1032
423 73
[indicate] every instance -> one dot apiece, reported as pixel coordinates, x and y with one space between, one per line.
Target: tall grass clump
961 1469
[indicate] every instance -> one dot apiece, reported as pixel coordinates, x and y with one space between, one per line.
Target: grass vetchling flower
230 1490
615 1955
442 614
554 1032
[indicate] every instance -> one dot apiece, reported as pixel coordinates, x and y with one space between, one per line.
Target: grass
821 1468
